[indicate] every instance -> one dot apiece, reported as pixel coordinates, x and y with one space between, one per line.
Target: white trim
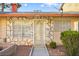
76 25
33 32
44 32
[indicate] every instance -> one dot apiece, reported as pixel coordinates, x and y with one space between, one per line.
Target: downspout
61 11
62 16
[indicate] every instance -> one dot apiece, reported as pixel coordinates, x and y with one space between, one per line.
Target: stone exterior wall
7 31
59 25
19 30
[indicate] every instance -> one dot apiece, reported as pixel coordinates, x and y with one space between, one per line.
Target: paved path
40 51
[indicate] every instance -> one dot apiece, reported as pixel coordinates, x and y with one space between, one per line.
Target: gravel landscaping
1 48
23 50
58 51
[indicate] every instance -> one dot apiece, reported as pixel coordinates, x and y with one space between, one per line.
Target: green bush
53 44
70 40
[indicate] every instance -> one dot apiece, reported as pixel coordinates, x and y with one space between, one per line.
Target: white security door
39 33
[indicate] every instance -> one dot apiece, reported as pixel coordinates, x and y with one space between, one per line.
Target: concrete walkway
40 51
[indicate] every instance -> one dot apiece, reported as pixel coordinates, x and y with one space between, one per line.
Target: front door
39 33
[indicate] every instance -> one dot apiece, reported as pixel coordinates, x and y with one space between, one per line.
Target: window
62 25
18 28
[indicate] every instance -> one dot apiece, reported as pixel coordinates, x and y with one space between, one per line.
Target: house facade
35 28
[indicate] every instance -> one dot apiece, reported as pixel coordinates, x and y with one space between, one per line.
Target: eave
37 14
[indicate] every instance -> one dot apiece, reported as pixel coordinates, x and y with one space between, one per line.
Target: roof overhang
37 14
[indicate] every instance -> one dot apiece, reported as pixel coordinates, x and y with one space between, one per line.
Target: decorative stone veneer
54 26
49 28
19 31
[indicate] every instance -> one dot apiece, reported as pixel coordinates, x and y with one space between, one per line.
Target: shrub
53 44
70 40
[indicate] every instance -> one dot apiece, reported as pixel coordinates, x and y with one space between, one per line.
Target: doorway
39 33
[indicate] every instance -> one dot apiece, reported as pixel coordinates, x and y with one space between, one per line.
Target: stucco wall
71 7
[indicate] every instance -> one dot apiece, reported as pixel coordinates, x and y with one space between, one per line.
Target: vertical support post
6 30
13 21
33 31
50 28
22 27
44 32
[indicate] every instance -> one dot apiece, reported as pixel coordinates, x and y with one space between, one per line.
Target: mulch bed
1 48
23 50
58 51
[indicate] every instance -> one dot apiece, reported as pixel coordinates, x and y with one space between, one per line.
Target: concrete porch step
40 51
